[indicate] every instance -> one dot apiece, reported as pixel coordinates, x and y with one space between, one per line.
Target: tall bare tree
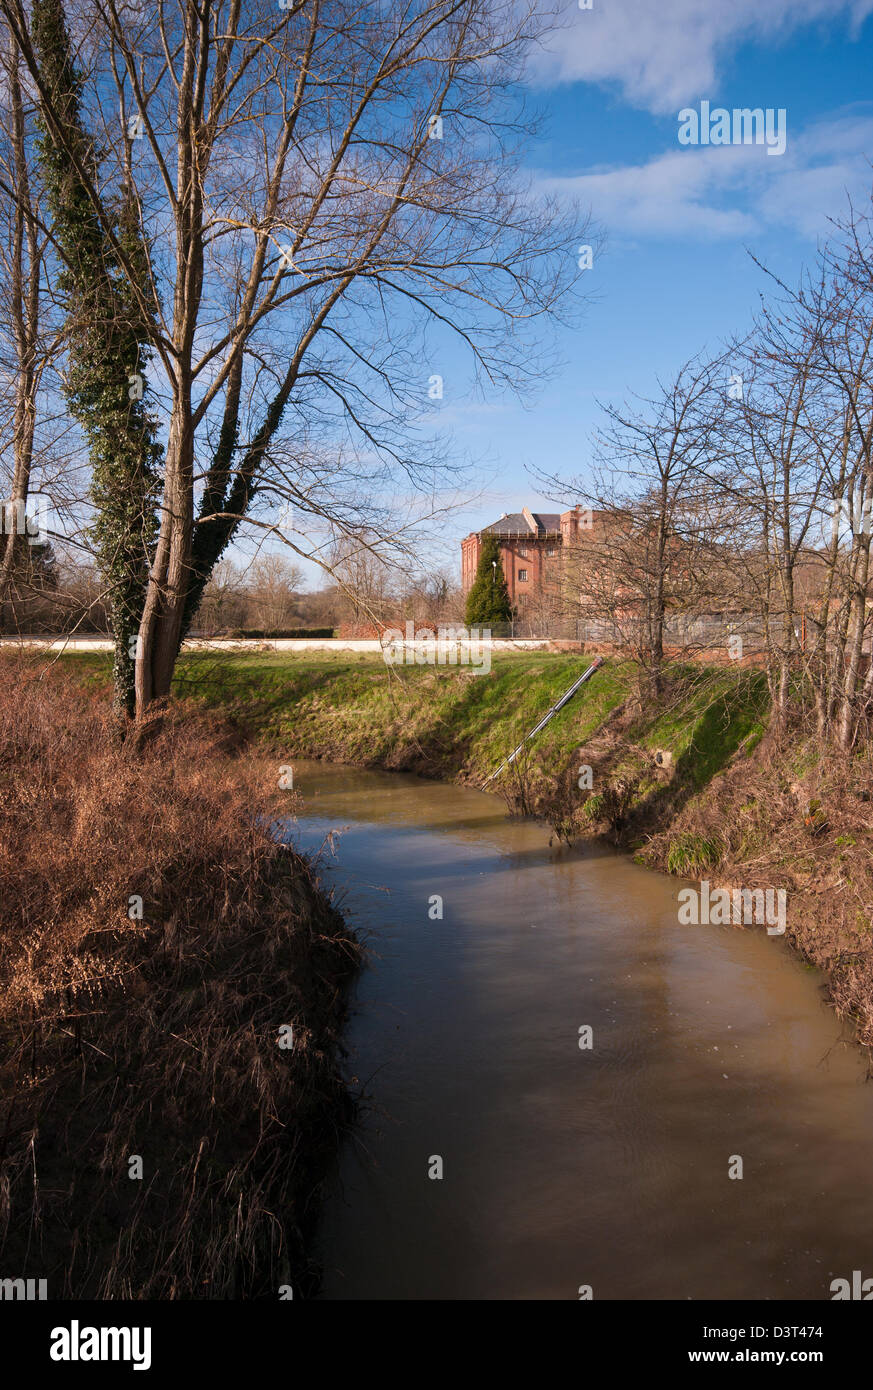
329 194
22 248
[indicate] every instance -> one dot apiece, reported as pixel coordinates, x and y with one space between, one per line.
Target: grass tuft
690 855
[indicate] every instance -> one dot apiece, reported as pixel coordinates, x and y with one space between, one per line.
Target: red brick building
530 548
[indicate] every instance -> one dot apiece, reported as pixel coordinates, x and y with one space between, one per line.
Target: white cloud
733 191
665 53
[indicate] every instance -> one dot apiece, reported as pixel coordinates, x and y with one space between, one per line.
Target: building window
522 576
550 553
522 550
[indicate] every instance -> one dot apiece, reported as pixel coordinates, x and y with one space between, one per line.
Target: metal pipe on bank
567 696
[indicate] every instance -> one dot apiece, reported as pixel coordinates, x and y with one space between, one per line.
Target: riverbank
793 820
646 761
172 1005
697 785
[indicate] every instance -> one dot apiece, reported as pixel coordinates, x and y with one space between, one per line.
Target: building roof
548 521
524 523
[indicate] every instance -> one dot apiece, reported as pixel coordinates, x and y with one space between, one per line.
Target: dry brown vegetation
159 1037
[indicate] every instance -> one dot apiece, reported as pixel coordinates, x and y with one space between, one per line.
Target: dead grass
157 1038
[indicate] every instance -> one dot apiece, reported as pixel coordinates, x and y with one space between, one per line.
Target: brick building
530 549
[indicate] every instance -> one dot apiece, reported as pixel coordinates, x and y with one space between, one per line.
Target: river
567 1167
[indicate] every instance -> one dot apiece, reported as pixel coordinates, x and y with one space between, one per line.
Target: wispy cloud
733 190
665 53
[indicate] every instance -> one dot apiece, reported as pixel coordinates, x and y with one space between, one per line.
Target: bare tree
640 554
274 583
326 191
846 353
365 575
805 456
22 247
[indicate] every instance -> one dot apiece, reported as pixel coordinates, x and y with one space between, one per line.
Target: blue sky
675 274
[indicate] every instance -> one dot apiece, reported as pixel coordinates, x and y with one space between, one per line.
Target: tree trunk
25 265
161 629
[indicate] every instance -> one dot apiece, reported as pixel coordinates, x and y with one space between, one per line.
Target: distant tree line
267 595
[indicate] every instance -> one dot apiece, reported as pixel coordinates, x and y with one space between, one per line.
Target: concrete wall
276 644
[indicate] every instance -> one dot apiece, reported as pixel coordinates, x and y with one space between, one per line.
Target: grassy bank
460 725
155 1138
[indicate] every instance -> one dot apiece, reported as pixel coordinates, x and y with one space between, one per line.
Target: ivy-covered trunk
102 250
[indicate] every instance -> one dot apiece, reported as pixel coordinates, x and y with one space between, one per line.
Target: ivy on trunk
106 333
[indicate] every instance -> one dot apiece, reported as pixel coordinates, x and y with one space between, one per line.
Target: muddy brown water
565 1167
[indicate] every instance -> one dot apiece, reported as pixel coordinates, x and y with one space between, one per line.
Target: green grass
353 706
709 713
690 855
